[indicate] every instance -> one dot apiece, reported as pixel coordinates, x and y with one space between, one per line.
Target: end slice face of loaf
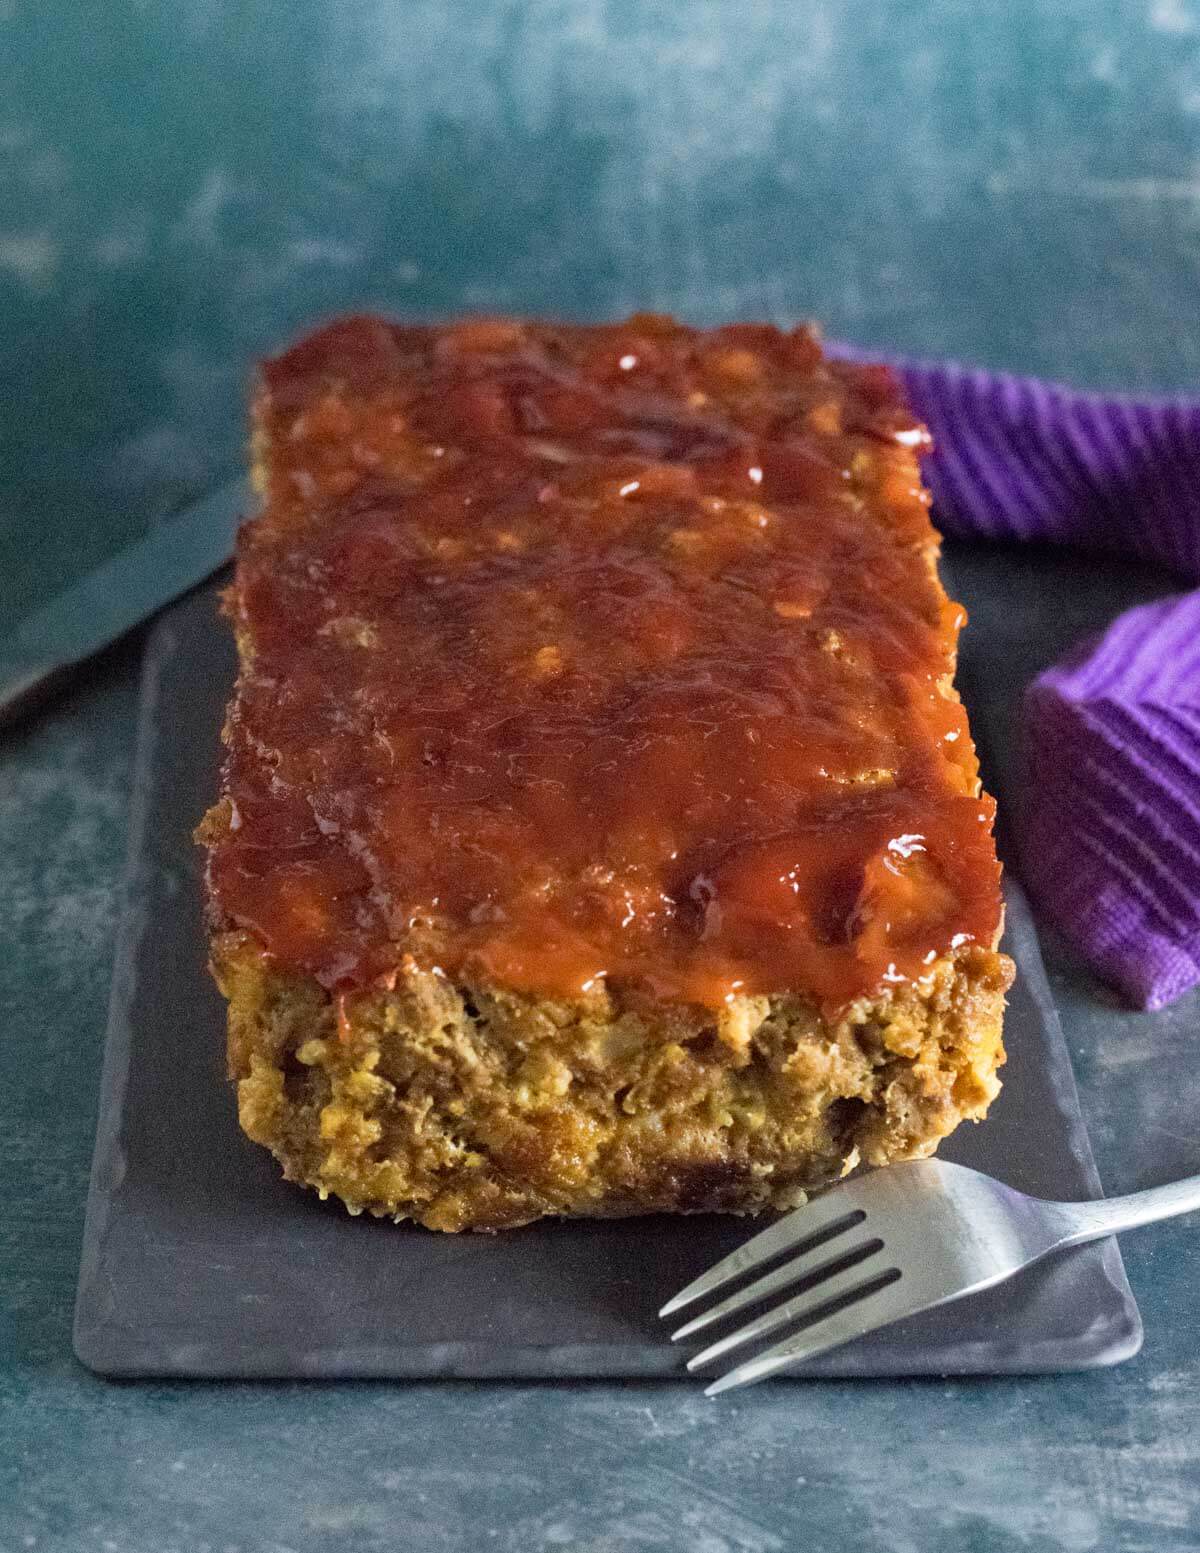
600 832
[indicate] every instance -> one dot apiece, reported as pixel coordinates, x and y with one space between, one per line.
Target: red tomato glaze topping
580 655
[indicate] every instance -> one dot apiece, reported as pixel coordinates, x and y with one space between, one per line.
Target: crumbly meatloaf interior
470 1107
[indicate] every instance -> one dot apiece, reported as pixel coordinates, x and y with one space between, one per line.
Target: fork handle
1093 1220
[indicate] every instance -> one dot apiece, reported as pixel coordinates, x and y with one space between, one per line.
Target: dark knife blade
37 658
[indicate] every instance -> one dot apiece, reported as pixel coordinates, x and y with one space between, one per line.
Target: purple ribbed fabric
1015 458
1109 832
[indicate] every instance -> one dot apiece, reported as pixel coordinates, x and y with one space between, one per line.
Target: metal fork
874 1250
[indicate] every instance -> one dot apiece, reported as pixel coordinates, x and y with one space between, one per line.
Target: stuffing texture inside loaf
472 1107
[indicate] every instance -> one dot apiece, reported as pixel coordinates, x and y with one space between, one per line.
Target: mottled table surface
181 185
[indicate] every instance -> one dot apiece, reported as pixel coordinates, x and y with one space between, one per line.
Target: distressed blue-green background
185 182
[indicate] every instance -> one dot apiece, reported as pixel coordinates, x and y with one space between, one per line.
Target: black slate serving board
199 1260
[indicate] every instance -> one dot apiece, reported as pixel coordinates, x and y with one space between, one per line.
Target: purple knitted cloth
1109 836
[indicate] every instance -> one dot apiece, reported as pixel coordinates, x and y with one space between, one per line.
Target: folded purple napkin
1109 829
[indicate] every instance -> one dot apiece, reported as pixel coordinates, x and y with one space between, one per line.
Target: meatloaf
600 832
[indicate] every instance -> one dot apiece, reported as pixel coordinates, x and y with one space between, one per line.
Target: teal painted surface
182 185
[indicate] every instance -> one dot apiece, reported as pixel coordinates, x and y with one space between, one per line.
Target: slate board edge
90 1323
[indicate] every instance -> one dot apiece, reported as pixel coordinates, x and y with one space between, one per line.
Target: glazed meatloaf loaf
600 831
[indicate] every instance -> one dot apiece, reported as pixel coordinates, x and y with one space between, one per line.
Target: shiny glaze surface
582 655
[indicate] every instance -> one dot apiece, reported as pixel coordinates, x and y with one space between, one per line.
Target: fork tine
800 1268
802 1229
846 1281
828 1332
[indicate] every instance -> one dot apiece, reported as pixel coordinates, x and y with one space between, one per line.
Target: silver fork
874 1250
